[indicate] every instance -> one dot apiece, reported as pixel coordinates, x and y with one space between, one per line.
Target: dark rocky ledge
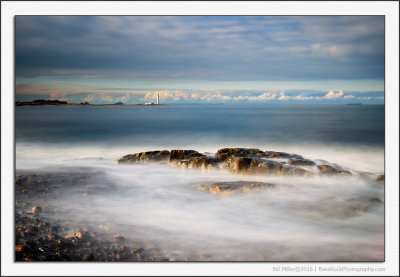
249 161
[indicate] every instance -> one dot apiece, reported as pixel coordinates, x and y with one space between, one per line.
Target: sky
201 59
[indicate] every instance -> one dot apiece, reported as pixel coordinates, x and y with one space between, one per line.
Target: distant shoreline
32 103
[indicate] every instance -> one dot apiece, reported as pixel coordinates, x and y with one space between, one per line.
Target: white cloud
302 97
349 96
89 98
331 50
332 95
283 97
266 96
58 96
123 98
106 97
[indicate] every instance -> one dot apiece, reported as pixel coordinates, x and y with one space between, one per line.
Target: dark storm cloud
209 48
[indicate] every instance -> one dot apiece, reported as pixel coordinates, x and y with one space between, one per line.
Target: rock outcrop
184 154
250 161
225 153
254 165
203 162
300 161
380 178
163 155
326 169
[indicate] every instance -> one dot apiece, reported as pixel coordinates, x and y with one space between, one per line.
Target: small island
41 102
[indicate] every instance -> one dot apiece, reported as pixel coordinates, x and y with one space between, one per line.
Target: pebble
36 209
73 235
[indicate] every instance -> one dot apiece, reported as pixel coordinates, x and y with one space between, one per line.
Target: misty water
157 206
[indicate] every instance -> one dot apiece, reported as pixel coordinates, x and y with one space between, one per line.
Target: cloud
332 95
106 97
89 98
302 97
123 98
331 50
126 95
201 48
58 96
283 97
266 96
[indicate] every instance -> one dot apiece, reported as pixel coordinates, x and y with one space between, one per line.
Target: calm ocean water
158 125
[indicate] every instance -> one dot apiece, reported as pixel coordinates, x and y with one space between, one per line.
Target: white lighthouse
158 99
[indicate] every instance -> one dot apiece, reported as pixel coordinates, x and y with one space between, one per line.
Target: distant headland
41 102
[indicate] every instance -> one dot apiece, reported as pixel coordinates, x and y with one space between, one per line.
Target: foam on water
159 207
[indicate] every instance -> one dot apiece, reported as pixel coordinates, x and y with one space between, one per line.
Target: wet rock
118 239
298 161
259 166
88 257
239 164
366 176
295 171
380 178
345 173
273 154
153 156
331 170
52 236
36 209
327 169
202 162
184 154
228 188
74 235
225 153
360 206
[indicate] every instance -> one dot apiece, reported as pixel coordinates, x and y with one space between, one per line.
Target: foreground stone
36 240
228 188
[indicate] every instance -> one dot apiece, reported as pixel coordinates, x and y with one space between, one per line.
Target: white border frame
9 9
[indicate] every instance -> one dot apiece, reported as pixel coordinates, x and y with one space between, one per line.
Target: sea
158 206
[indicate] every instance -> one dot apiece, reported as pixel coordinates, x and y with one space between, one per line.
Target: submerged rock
366 176
228 188
326 169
